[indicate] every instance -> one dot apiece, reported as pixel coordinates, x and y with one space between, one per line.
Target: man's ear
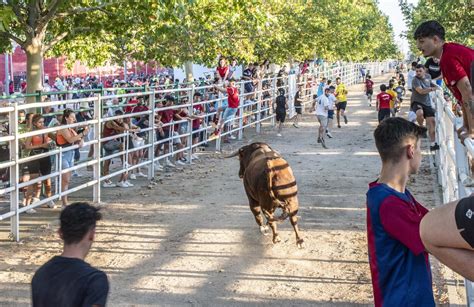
410 151
91 234
60 233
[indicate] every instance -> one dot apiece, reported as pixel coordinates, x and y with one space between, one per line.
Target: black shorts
369 92
248 87
428 111
166 134
464 216
280 116
298 109
383 114
341 105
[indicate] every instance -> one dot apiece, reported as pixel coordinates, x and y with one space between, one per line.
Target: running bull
269 184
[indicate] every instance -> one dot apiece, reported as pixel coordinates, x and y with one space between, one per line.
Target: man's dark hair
413 64
383 87
76 220
338 78
429 28
390 135
332 87
418 66
169 98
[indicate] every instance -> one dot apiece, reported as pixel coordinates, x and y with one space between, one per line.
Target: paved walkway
191 239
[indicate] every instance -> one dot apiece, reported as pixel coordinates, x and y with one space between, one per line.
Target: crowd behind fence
454 172
122 129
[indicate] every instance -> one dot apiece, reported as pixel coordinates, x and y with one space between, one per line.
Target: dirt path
191 239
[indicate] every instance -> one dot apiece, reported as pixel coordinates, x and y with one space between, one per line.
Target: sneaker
51 204
34 200
194 157
338 126
434 147
140 174
30 211
324 144
180 162
133 177
76 174
329 135
296 126
168 163
232 137
128 183
278 134
158 166
122 184
126 165
319 140
109 184
345 119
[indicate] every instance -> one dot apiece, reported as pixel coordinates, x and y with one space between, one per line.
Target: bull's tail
281 185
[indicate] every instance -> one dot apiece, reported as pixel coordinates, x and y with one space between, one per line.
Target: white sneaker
129 183
51 204
109 184
126 165
168 163
278 134
194 157
133 177
179 162
140 174
34 200
232 137
30 211
122 184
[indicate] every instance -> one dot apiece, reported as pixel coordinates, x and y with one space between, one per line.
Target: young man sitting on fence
455 62
67 280
399 265
233 101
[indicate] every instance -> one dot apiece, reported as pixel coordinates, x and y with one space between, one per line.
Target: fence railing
148 143
454 173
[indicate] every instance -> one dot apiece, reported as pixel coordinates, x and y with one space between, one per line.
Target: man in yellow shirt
393 101
341 105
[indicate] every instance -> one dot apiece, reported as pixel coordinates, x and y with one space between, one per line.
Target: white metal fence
454 174
254 109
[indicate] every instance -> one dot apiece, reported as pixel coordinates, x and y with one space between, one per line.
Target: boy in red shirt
233 105
455 64
383 103
369 89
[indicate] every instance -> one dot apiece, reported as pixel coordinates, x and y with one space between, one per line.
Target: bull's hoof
276 239
264 230
300 243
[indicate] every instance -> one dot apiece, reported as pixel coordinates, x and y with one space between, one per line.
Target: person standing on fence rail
453 243
233 102
64 138
421 103
399 265
67 280
455 61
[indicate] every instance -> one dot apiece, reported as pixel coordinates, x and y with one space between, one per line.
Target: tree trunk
34 57
188 70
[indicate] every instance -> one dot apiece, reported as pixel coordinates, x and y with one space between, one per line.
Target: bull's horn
234 154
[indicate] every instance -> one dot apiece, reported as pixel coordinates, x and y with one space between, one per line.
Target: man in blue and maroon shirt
399 265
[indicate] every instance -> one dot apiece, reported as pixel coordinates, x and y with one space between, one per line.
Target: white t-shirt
411 74
322 105
332 101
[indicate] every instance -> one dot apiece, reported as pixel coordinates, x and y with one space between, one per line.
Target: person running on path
67 280
421 102
382 104
341 95
332 103
321 106
298 106
456 63
369 89
399 265
322 85
394 100
279 107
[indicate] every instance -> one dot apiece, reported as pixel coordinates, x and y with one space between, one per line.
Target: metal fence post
258 126
151 135
97 148
14 175
190 123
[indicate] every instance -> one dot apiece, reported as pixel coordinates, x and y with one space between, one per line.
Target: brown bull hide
269 184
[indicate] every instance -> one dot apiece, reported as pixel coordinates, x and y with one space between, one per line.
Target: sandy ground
190 240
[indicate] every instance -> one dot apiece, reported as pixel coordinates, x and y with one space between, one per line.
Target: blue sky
391 8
